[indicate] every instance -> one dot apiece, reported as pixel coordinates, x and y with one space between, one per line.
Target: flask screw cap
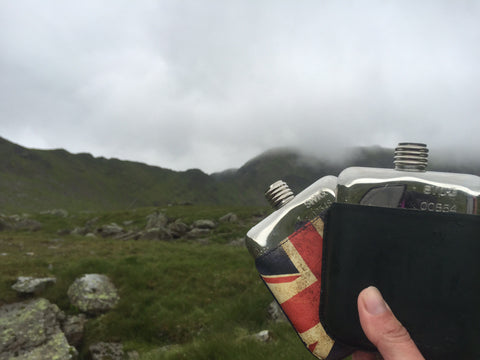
279 194
411 157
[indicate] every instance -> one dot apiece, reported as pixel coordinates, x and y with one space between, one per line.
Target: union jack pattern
292 272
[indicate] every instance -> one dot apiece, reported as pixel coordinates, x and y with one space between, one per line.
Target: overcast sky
211 84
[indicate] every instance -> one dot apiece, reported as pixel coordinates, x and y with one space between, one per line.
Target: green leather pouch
425 264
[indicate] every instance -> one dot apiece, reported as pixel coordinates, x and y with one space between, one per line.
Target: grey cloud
184 84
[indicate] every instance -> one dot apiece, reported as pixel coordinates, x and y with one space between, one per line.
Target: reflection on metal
295 212
409 185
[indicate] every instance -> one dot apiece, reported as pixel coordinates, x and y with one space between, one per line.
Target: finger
383 329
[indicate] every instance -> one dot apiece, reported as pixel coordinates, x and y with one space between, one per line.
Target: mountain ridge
37 180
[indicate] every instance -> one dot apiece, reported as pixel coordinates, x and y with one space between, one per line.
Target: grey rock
73 327
93 294
90 224
276 313
178 229
156 220
27 224
31 330
197 233
110 230
106 351
263 336
30 285
158 233
230 217
79 231
204 224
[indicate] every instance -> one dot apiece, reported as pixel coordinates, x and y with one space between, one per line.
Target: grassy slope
35 180
203 301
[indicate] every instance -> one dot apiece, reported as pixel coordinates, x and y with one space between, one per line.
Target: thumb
383 329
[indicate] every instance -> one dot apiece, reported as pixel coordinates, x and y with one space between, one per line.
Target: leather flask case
425 264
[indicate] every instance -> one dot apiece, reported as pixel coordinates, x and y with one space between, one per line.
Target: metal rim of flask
279 194
411 157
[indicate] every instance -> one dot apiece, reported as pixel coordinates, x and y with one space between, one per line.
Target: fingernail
373 301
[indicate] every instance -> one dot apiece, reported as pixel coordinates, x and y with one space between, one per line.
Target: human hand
383 329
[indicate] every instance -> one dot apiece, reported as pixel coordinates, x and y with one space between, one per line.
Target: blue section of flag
275 262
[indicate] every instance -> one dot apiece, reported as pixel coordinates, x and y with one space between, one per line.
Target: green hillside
37 180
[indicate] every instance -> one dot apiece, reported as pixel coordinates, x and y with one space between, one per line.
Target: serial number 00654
437 207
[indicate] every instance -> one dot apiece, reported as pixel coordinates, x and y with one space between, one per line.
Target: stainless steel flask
409 185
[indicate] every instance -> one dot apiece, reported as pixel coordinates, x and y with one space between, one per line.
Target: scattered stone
263 336
90 224
204 224
106 351
110 230
4 254
156 220
93 294
276 313
31 330
90 235
73 327
30 285
159 233
27 224
30 253
230 217
15 217
178 229
197 233
79 231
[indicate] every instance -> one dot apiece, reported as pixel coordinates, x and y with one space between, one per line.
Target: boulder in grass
230 217
204 224
110 230
156 220
107 351
93 294
31 285
31 330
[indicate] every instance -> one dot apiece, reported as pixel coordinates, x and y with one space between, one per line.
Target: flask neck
279 194
411 157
